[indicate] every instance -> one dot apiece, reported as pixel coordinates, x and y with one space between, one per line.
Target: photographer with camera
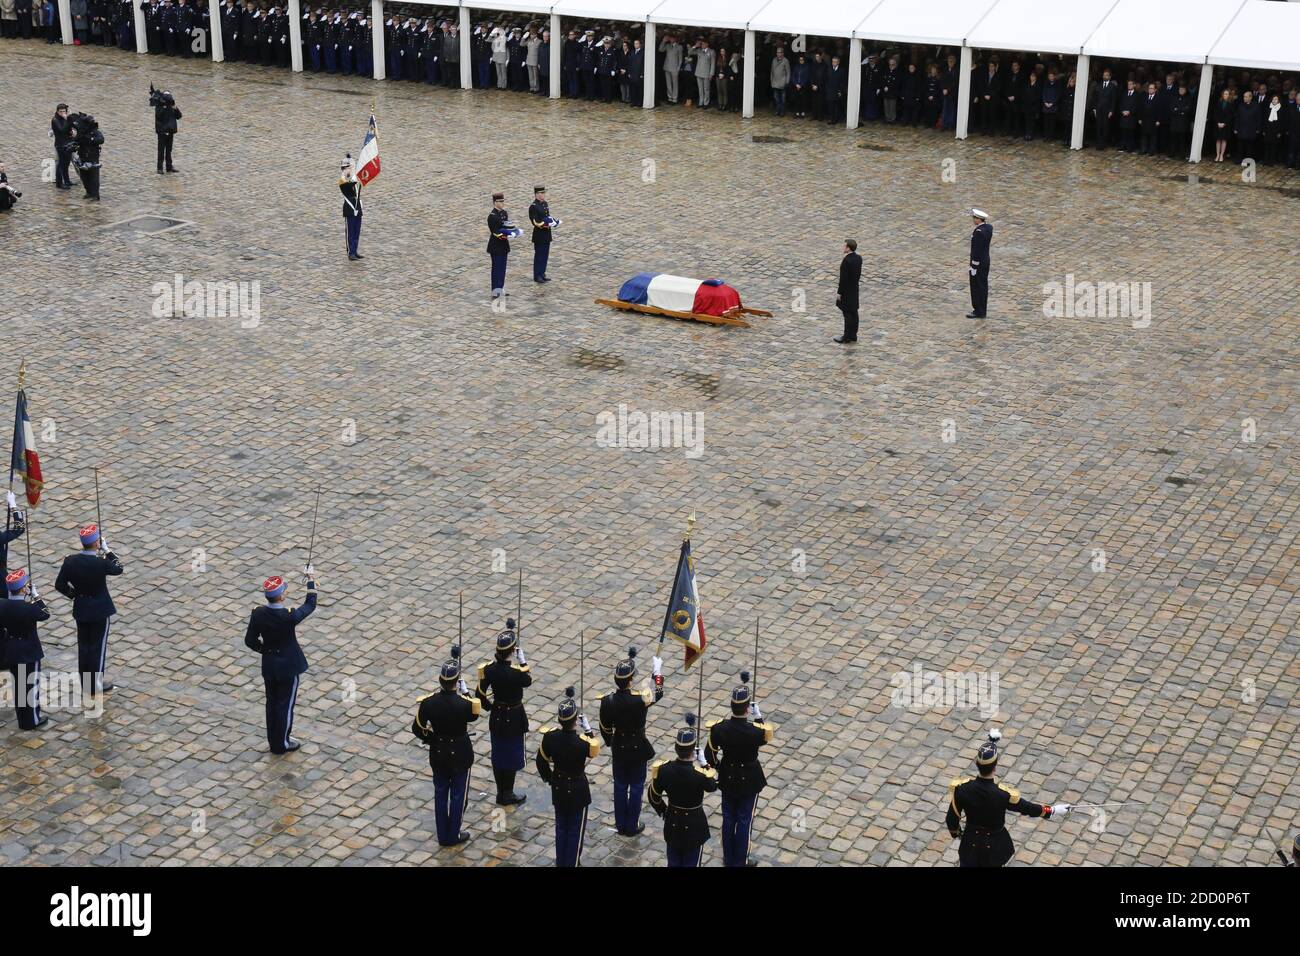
165 115
8 195
88 141
63 133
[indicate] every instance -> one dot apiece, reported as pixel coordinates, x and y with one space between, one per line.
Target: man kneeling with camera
8 195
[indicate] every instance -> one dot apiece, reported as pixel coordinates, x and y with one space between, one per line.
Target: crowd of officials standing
1134 107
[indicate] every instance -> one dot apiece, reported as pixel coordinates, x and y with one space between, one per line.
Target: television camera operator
165 115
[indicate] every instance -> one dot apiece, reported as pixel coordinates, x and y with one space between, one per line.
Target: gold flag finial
690 526
22 372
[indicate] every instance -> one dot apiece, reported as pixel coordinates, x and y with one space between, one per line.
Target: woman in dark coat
1225 114
1031 104
1273 129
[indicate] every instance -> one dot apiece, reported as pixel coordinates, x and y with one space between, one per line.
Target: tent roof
822 18
1174 31
1264 36
636 11
512 6
723 14
1035 26
945 22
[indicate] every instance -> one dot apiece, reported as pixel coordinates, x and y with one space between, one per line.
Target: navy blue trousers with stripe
570 831
27 694
281 695
629 788
92 650
450 797
685 858
737 820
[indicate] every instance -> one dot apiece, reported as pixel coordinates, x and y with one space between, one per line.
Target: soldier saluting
500 691
84 579
562 762
985 841
441 722
622 724
677 790
272 633
733 750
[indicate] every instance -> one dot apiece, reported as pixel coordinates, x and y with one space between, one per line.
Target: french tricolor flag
24 461
368 160
679 294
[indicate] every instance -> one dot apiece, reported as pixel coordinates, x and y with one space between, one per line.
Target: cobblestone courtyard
830 504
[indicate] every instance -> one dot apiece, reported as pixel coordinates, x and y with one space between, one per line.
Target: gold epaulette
654 769
546 730
593 746
481 669
1013 795
604 695
476 706
708 772
713 723
768 730
522 668
421 700
952 791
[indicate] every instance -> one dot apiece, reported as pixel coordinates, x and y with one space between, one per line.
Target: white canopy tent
635 11
1263 36
721 14
938 22
822 18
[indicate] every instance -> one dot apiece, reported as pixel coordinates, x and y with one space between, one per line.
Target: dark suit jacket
271 633
850 276
19 643
84 579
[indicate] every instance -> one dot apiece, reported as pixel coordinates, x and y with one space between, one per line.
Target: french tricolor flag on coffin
679 294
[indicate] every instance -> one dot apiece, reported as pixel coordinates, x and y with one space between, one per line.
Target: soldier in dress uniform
622 719
985 841
500 691
677 790
498 246
733 750
539 214
441 722
83 579
979 264
350 187
561 761
271 632
20 646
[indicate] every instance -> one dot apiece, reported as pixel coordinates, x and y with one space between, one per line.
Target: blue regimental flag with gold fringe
684 622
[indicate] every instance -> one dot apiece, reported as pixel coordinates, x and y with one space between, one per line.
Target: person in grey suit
705 61
672 51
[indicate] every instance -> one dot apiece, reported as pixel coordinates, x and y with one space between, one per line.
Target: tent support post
651 68
1202 113
963 92
854 106
1081 88
557 47
751 69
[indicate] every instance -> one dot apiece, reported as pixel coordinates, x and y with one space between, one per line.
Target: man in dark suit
846 293
271 632
980 240
1151 117
1105 98
84 579
1130 106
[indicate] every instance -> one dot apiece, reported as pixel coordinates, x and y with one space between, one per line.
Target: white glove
103 546
973 270
699 757
656 665
461 687
1060 810
310 572
582 722
754 712
32 588
519 656
13 502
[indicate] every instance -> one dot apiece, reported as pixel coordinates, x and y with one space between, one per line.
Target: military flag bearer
272 632
500 691
562 761
441 722
11 533
350 187
83 579
985 802
733 750
677 790
622 720
20 646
